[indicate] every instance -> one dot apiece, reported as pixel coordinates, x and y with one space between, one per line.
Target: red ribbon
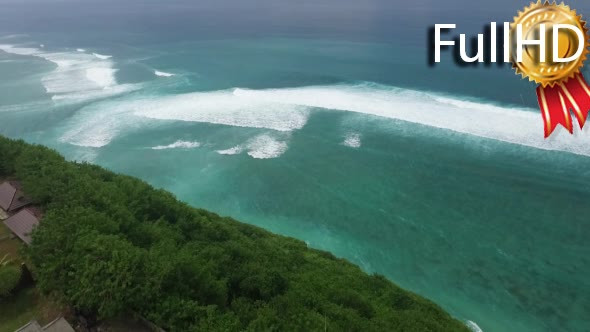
557 101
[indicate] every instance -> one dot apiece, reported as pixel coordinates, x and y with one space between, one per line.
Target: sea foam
288 109
266 147
222 107
508 124
473 327
178 145
103 77
96 125
77 76
162 74
352 140
102 57
231 151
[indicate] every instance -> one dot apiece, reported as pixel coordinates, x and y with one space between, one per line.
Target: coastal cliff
109 244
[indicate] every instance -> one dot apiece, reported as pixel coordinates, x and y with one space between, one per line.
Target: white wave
222 107
513 125
163 74
18 50
288 109
42 45
265 147
231 151
80 50
352 140
102 57
97 124
473 327
96 94
178 144
103 77
77 76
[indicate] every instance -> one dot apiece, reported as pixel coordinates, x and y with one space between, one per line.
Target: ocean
323 120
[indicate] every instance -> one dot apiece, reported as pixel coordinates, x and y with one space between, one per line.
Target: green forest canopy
110 244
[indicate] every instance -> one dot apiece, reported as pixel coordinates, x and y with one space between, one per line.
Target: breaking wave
266 147
473 327
162 74
77 76
231 151
288 109
98 124
352 140
102 57
222 107
508 124
178 144
262 146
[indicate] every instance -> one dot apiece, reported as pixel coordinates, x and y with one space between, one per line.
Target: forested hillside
111 243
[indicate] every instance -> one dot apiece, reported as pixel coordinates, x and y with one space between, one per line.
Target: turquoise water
328 126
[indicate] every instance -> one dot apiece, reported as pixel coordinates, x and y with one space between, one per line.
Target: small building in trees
22 224
7 193
11 197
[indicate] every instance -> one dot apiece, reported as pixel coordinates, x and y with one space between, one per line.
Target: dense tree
9 276
8 153
110 243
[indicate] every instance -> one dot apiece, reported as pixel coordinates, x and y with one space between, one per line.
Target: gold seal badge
548 73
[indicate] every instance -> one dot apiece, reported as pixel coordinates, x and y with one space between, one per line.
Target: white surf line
473 327
102 57
220 107
231 151
78 76
513 125
263 146
288 109
180 144
162 74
